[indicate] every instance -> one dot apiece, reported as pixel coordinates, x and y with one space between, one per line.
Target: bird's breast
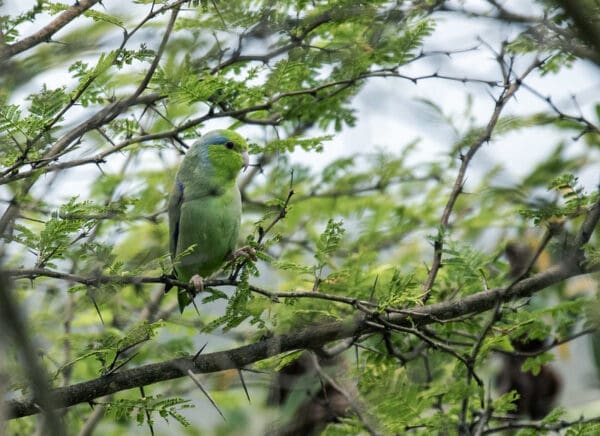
210 224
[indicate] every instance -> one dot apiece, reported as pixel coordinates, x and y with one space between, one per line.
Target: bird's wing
175 202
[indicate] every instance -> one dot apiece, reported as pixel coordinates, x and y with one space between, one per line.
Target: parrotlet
205 208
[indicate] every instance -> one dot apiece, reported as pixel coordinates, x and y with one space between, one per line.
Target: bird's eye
229 145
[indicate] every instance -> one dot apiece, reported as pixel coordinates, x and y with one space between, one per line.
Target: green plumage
205 206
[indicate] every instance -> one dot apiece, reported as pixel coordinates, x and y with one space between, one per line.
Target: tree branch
45 33
508 92
311 337
539 426
13 325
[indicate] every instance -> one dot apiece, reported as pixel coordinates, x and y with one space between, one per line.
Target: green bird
205 209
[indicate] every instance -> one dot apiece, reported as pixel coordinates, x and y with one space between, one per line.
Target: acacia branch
540 426
82 87
507 93
311 337
496 315
113 110
588 126
96 121
103 116
100 279
148 76
45 33
118 107
546 32
555 343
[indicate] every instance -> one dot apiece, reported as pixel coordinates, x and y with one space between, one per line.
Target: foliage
144 408
93 123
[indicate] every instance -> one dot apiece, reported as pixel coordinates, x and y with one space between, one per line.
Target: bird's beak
245 159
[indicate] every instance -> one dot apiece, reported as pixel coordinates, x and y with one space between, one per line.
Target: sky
391 113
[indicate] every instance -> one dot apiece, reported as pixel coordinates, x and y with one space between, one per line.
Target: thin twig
507 93
147 412
539 426
549 346
472 359
148 76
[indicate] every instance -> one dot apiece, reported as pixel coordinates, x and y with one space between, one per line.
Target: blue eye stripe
214 139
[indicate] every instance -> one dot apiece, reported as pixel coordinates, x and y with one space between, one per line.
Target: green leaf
534 364
100 16
506 403
329 241
555 416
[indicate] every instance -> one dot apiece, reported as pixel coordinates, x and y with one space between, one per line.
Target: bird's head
225 151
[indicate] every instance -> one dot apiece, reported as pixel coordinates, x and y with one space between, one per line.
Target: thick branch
308 338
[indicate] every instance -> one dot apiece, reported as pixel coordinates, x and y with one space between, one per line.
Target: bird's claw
198 283
246 251
186 296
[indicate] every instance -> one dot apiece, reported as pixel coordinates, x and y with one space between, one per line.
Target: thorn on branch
122 364
244 384
199 352
373 288
205 392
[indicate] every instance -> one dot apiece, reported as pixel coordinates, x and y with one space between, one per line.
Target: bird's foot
186 296
198 283
246 251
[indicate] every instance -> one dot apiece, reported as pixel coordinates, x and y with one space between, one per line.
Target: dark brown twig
507 93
